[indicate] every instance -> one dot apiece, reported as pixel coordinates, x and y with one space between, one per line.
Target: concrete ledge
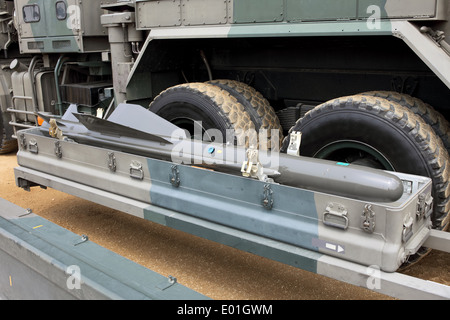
40 260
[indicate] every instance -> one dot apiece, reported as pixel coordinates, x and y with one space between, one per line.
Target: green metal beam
40 260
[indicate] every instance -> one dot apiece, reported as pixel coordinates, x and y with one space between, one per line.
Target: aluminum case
371 234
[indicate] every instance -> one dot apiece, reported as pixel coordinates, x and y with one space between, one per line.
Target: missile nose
395 187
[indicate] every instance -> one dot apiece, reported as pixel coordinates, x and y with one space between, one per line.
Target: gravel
215 270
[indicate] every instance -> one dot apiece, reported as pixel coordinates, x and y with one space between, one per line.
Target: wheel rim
355 152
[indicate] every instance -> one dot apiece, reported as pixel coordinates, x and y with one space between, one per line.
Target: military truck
355 82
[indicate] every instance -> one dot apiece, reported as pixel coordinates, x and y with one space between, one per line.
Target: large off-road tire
215 108
436 120
7 145
259 109
375 132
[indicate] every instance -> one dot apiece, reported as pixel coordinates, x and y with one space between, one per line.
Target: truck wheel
199 107
6 145
436 120
259 109
375 132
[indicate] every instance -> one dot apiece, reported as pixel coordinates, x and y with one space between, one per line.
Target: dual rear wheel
374 131
382 130
238 112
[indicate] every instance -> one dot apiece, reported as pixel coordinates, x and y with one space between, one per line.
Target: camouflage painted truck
350 95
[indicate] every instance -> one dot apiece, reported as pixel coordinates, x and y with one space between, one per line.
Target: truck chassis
392 284
347 84
317 232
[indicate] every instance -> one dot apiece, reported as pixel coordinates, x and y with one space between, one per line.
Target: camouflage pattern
276 12
368 233
279 18
59 26
324 223
70 26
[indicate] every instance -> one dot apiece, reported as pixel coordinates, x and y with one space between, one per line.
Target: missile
133 129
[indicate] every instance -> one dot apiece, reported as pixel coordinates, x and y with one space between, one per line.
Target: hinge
368 219
424 206
23 141
268 197
407 229
112 165
175 176
438 36
58 150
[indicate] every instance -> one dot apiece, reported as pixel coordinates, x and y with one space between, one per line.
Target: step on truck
335 114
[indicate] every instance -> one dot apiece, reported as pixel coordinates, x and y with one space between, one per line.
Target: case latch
368 219
294 144
424 206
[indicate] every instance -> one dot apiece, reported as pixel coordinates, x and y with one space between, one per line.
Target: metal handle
136 171
336 216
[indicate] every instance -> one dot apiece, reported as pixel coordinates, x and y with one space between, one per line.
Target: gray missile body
154 137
